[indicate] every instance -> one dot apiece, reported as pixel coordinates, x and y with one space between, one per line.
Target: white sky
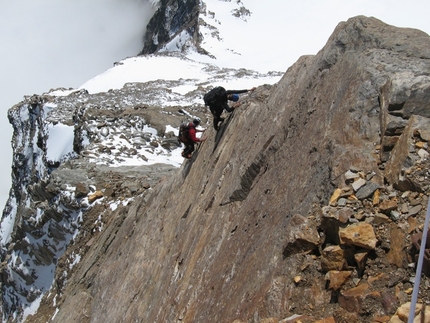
57 43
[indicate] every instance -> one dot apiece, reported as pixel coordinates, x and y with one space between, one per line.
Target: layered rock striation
303 205
308 204
77 158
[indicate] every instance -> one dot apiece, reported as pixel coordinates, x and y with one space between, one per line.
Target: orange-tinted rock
397 255
337 278
388 205
359 234
352 299
332 258
95 196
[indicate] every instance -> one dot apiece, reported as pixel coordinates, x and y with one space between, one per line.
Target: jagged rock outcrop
173 18
181 25
302 207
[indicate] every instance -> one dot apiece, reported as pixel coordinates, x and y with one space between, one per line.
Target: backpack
183 133
216 96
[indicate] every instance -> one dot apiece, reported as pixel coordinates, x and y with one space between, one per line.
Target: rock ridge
301 208
307 206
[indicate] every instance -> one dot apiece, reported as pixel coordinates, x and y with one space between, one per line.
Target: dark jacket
224 104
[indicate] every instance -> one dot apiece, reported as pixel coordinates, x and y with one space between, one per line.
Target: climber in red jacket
191 138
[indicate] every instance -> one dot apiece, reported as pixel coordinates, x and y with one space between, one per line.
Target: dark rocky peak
172 18
184 25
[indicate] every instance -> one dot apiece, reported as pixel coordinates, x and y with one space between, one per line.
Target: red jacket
192 133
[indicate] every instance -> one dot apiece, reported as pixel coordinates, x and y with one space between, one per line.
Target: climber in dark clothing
217 101
192 139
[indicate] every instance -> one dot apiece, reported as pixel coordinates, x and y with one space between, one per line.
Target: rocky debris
363 241
300 209
394 216
422 313
373 241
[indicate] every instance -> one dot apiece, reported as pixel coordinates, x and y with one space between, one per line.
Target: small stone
423 153
346 192
342 201
406 194
381 319
354 169
396 254
380 218
388 205
335 197
424 134
352 299
404 310
154 144
370 176
302 236
95 196
376 197
395 215
337 278
360 215
361 258
332 258
421 144
359 183
345 214
413 224
415 210
404 208
350 175
358 234
367 190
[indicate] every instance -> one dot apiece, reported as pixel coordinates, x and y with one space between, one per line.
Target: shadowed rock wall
172 18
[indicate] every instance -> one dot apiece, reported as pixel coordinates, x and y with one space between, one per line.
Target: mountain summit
307 205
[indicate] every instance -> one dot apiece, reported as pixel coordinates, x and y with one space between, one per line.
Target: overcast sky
58 43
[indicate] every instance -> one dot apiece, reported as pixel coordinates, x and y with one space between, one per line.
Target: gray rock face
242 231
